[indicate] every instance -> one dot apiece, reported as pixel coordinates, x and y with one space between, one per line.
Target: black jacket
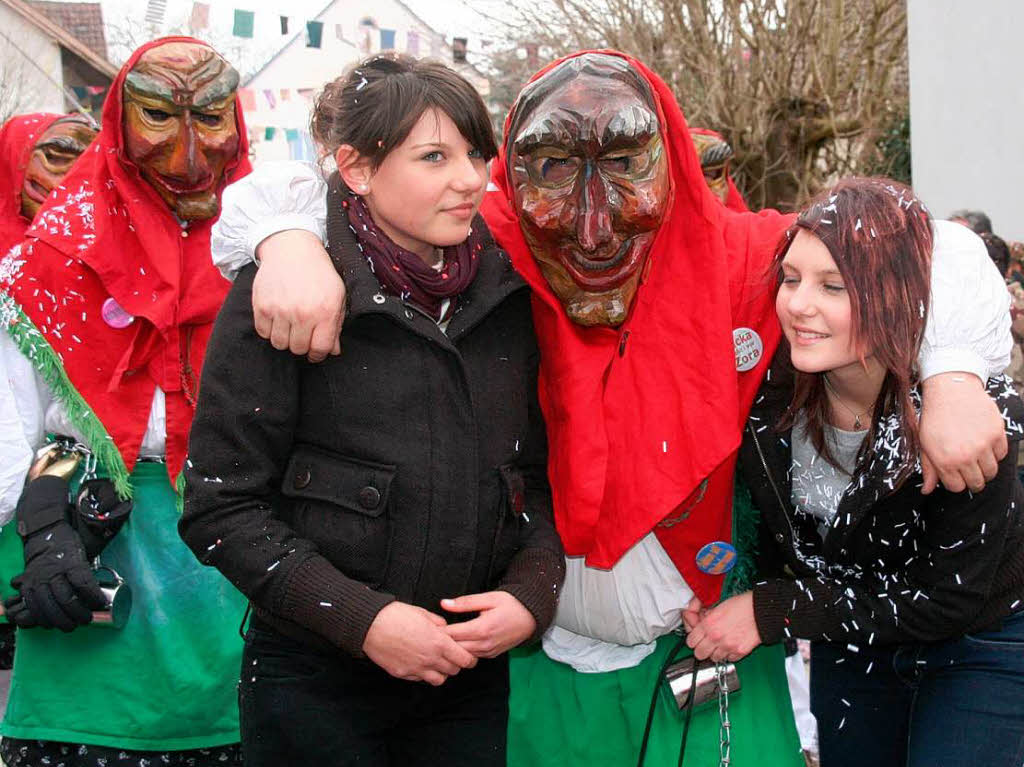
896 566
412 467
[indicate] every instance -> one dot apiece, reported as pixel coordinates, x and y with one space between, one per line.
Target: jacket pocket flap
356 485
515 486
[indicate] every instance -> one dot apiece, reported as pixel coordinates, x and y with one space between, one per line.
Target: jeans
304 706
950 704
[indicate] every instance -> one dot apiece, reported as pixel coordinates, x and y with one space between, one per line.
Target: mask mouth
593 275
35 191
182 186
601 264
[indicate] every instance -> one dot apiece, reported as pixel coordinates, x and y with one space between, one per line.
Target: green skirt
164 682
559 717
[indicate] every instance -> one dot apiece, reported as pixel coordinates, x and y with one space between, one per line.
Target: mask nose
594 223
187 162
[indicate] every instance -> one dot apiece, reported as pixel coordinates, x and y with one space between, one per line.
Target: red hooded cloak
640 415
106 233
17 137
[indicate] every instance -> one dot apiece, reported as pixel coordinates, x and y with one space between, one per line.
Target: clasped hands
420 646
725 632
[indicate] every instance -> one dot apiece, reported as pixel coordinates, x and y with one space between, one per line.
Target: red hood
636 423
17 137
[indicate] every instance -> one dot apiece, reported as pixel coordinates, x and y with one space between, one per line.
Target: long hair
880 236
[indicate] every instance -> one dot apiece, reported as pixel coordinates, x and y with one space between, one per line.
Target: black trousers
304 706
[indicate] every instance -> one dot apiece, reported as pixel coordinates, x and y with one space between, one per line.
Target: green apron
559 717
167 680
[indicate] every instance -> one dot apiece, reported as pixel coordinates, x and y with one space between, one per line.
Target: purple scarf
404 274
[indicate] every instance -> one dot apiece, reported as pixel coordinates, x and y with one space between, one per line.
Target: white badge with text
749 348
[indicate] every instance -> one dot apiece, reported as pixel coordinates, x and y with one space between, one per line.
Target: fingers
929 475
470 603
261 319
973 477
87 588
989 466
461 656
436 619
279 334
73 607
41 603
336 349
432 678
1001 447
952 481
322 342
18 613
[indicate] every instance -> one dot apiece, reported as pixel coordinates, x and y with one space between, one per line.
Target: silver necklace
857 426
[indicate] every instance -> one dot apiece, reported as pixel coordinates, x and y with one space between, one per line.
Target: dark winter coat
411 467
896 566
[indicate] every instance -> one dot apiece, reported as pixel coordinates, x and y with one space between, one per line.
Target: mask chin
196 208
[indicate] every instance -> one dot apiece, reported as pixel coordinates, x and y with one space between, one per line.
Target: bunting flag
268 94
244 21
412 43
284 25
307 93
95 90
268 134
200 18
80 92
314 33
292 134
248 99
366 39
155 10
286 94
459 49
387 39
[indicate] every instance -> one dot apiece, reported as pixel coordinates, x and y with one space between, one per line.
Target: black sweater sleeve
241 439
941 590
536 572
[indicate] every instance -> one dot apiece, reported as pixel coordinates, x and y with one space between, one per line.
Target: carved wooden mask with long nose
591 182
179 124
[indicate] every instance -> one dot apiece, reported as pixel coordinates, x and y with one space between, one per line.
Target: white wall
30 67
967 108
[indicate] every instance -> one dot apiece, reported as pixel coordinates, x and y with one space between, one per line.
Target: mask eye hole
156 115
553 170
210 121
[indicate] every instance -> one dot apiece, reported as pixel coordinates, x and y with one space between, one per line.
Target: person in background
975 220
106 306
36 151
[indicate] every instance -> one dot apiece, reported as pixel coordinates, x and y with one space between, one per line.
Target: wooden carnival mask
179 124
52 157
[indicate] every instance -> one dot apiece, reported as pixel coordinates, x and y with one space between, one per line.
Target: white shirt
609 619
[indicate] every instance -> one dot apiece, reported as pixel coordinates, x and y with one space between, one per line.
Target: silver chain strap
724 727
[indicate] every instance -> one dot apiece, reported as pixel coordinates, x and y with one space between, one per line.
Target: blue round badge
716 558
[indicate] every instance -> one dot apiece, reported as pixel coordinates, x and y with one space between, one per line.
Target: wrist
287 241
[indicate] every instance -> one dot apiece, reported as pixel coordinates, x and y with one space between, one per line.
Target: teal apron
167 679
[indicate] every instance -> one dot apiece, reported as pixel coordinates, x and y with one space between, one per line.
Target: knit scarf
403 273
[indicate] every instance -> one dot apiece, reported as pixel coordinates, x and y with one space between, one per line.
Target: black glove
58 588
98 515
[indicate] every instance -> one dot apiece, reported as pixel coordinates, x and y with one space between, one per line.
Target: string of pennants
269 98
245 24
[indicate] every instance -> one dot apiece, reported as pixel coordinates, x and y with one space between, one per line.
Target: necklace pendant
856 423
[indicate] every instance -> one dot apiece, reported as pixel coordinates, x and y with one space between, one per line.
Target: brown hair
880 236
374 105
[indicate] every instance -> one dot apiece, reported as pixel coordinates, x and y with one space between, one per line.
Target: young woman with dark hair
914 603
386 512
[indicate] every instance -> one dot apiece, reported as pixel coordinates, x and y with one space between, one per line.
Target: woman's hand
502 624
693 613
411 643
298 298
727 631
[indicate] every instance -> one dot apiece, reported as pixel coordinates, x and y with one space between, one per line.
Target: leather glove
99 514
58 588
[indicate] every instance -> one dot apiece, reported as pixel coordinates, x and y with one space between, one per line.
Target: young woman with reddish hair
914 603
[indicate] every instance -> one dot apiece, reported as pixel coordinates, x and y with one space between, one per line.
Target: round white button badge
748 347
